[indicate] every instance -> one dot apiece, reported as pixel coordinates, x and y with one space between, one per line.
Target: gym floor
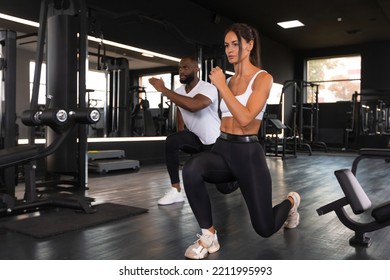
164 232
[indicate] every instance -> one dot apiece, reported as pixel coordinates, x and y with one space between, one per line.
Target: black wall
376 66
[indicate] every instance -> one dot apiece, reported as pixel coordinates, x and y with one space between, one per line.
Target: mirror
116 85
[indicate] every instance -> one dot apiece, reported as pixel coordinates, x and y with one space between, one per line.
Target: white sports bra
243 99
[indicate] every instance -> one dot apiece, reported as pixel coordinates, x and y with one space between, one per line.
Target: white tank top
243 99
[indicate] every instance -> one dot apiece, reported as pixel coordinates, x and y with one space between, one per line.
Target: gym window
338 78
153 96
95 81
275 93
42 82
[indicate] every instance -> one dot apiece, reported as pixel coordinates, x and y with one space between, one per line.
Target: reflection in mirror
117 118
119 111
134 111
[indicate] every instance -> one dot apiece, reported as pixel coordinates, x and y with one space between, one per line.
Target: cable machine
63 30
209 58
301 117
118 113
118 98
309 115
65 117
286 118
369 123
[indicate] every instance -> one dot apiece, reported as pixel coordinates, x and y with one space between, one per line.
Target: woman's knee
263 230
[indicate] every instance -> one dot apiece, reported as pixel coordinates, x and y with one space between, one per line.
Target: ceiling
329 23
177 28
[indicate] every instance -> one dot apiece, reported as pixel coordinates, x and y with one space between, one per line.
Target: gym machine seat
370 153
359 202
62 122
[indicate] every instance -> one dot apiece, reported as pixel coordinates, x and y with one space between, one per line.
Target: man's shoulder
207 85
201 82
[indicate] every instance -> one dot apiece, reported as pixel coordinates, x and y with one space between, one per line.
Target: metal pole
38 63
8 102
83 128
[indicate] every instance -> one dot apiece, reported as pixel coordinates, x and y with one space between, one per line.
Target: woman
237 153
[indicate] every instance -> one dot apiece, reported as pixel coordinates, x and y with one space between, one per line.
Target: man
198 122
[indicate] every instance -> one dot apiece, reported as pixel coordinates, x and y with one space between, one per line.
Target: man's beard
188 79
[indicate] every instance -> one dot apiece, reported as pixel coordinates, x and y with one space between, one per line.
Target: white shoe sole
164 204
212 249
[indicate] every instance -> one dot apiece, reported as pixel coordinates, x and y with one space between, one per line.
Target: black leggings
230 161
185 141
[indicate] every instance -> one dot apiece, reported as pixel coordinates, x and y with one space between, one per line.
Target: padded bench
359 203
370 153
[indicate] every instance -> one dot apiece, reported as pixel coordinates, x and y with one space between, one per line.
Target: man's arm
179 120
192 104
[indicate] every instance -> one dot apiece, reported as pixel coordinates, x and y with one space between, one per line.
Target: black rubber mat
65 220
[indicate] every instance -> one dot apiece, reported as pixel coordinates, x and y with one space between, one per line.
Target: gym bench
63 123
370 153
358 200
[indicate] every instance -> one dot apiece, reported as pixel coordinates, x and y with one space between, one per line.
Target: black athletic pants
230 161
185 141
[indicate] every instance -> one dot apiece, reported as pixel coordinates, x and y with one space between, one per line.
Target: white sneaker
293 217
170 197
206 243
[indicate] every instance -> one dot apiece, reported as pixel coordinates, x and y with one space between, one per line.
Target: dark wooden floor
166 231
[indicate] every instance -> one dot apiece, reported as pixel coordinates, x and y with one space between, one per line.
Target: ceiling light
290 24
126 47
147 54
19 20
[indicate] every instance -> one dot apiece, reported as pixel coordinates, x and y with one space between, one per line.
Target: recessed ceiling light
290 24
